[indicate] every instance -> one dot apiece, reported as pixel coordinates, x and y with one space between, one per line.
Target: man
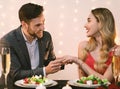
31 47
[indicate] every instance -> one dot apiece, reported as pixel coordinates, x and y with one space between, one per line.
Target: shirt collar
25 36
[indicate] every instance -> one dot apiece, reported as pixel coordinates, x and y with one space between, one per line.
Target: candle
67 87
41 87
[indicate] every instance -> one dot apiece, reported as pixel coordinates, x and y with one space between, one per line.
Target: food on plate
90 80
35 80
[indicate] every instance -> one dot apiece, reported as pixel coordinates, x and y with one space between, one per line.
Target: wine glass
5 61
116 67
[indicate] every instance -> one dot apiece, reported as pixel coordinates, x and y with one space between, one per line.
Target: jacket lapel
41 46
23 48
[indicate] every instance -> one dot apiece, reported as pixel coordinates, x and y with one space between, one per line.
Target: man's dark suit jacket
20 61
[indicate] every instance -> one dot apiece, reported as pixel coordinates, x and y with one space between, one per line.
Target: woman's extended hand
68 59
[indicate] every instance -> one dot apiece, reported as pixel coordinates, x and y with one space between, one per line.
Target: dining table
60 84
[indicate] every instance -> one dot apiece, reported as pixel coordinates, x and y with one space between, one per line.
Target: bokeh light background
65 21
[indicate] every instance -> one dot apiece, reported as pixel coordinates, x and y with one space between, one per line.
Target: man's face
36 26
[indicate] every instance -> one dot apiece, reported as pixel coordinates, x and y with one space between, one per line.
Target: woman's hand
68 59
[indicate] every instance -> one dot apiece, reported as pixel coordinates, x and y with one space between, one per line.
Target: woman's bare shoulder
81 50
82 44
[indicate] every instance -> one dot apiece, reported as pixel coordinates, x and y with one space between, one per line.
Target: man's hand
53 66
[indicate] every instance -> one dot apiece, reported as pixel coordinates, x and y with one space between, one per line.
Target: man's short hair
29 11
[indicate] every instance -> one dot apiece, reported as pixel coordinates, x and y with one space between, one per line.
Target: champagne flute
5 56
116 67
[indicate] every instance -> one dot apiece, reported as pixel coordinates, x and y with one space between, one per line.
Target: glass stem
116 79
5 81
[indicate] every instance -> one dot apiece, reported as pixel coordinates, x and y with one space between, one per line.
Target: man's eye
38 25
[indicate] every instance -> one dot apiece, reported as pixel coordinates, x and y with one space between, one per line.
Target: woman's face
92 26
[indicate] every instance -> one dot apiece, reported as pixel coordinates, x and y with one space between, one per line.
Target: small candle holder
67 87
41 86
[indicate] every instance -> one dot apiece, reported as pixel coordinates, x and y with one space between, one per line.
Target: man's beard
38 34
33 35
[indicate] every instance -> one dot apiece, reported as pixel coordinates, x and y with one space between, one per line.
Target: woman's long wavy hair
107 32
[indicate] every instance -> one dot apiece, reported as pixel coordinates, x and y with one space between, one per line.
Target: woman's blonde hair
107 32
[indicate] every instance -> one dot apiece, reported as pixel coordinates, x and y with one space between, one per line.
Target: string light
62 6
45 3
61 25
3 15
59 52
61 43
60 33
75 19
76 29
76 11
62 16
2 24
93 0
77 1
1 6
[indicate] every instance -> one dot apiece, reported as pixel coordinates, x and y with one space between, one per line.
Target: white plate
49 83
74 83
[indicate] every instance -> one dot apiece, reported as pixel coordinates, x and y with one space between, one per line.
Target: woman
95 55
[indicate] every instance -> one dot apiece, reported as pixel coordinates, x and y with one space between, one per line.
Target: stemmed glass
116 67
5 61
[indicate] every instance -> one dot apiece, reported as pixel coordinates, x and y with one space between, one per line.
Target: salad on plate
92 80
35 80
